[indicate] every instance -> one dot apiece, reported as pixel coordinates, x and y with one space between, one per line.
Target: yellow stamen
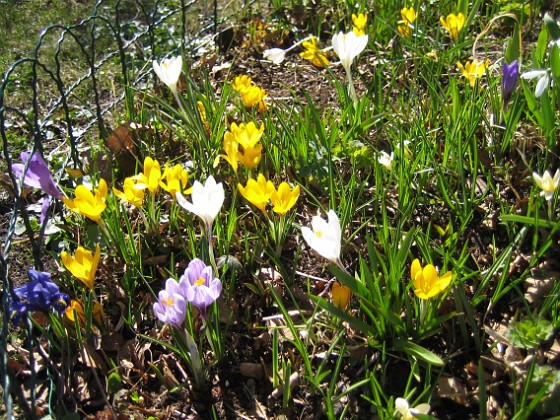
200 281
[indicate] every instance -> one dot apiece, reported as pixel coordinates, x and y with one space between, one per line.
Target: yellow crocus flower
408 15
151 176
284 198
427 282
360 23
247 135
87 203
176 179
76 307
130 193
241 82
251 156
257 192
314 54
341 295
453 24
254 95
473 70
83 264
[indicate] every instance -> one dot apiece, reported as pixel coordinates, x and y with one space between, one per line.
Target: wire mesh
65 96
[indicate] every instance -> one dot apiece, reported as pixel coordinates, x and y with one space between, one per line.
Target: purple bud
510 75
37 175
199 286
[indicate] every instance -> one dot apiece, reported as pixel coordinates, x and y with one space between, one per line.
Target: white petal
542 84
531 74
401 405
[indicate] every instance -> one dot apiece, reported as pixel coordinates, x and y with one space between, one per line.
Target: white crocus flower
408 413
542 83
276 55
325 238
386 160
547 183
347 47
169 71
207 200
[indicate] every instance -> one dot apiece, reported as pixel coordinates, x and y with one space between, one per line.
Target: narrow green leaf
418 351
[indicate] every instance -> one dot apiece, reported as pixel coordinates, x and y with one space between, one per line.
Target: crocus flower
348 46
276 55
510 75
150 177
360 23
169 71
207 200
130 193
40 294
37 175
171 306
314 54
427 282
547 183
284 198
241 82
542 83
76 307
386 160
83 264
199 286
341 295
408 16
257 192
87 203
453 24
325 238
473 70
409 413
174 179
254 95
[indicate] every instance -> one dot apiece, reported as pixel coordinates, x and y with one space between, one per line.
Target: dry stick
487 28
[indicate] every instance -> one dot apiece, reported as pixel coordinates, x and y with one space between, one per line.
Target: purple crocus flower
40 294
510 76
37 175
199 286
171 306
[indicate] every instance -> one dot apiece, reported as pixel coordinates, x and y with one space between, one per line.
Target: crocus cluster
40 294
408 16
197 286
259 192
251 94
426 280
242 143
